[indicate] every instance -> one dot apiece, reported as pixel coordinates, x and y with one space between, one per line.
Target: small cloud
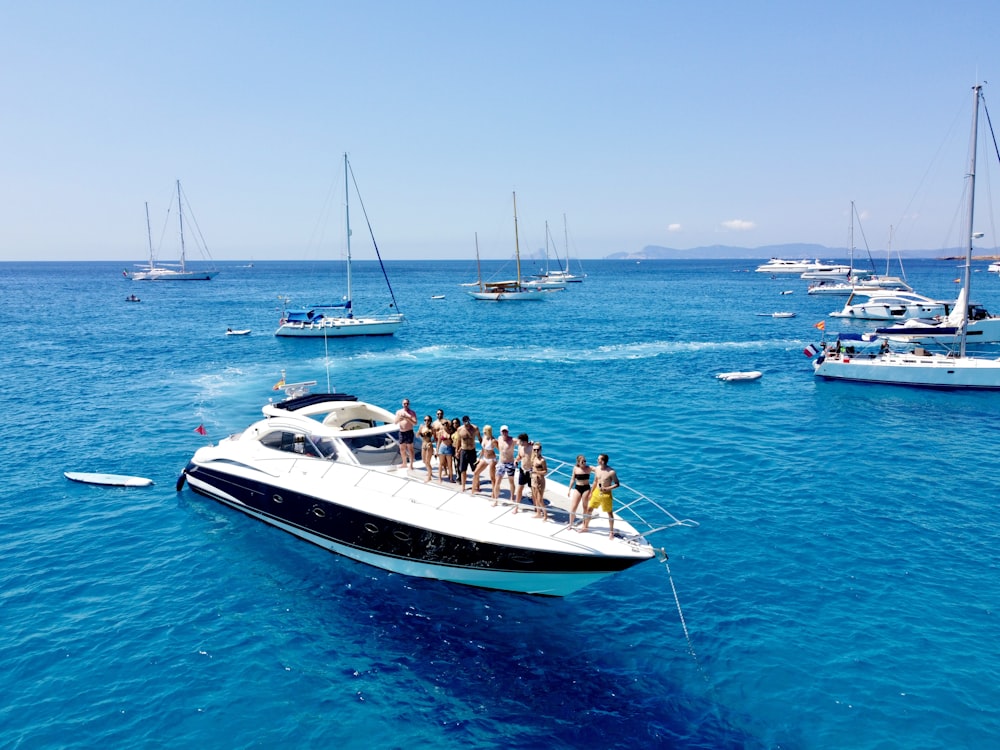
674 228
739 225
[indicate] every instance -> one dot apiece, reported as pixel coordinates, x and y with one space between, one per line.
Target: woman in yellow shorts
605 481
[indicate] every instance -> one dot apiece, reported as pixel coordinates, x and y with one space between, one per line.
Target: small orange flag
821 325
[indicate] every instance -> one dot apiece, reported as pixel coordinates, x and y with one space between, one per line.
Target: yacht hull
168 275
924 371
340 327
410 549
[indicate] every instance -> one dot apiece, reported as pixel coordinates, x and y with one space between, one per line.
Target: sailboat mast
850 256
479 270
347 214
517 247
976 92
149 237
180 218
547 248
566 242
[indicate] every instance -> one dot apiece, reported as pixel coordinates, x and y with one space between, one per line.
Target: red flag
821 325
200 429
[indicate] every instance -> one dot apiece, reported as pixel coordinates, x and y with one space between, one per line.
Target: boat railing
646 515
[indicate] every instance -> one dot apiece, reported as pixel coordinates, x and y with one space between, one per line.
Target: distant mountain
791 251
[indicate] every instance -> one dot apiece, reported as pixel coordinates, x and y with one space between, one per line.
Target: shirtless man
466 449
505 463
406 418
605 480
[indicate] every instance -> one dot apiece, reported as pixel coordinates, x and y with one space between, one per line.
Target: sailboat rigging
322 321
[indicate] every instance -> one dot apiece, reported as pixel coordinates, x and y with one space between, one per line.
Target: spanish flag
279 385
821 325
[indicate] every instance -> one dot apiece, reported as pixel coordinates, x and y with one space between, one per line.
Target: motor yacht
890 305
326 467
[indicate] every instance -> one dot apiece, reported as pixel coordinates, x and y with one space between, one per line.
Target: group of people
518 461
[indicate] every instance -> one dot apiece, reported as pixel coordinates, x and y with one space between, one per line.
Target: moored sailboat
338 320
513 290
919 367
165 272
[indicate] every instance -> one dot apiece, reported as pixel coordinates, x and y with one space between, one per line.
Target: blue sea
840 590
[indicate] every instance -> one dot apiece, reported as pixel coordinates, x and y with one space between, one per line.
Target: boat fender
180 480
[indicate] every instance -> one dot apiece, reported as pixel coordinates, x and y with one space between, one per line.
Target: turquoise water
840 590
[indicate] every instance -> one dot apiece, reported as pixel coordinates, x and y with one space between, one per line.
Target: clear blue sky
646 123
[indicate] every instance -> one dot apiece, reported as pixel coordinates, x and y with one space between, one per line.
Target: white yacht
865 286
837 272
890 305
780 265
326 468
980 327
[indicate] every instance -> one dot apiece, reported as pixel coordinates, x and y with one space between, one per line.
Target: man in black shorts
406 418
466 449
523 467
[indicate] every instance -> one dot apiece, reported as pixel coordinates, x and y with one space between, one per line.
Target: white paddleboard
107 480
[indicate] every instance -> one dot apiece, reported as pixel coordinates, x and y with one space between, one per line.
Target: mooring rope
677 601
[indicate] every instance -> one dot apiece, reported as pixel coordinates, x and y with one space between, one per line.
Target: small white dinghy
238 332
107 480
747 375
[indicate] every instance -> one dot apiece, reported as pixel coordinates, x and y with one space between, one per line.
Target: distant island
791 251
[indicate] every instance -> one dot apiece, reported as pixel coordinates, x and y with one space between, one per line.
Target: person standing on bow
406 419
487 459
523 467
579 488
426 433
539 470
466 452
505 467
606 480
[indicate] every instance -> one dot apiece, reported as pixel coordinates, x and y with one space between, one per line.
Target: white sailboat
170 272
338 320
919 367
550 279
562 275
513 290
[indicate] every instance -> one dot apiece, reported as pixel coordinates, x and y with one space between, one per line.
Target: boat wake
559 354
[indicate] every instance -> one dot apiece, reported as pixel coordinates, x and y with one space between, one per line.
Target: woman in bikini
539 468
487 459
579 489
426 433
446 453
